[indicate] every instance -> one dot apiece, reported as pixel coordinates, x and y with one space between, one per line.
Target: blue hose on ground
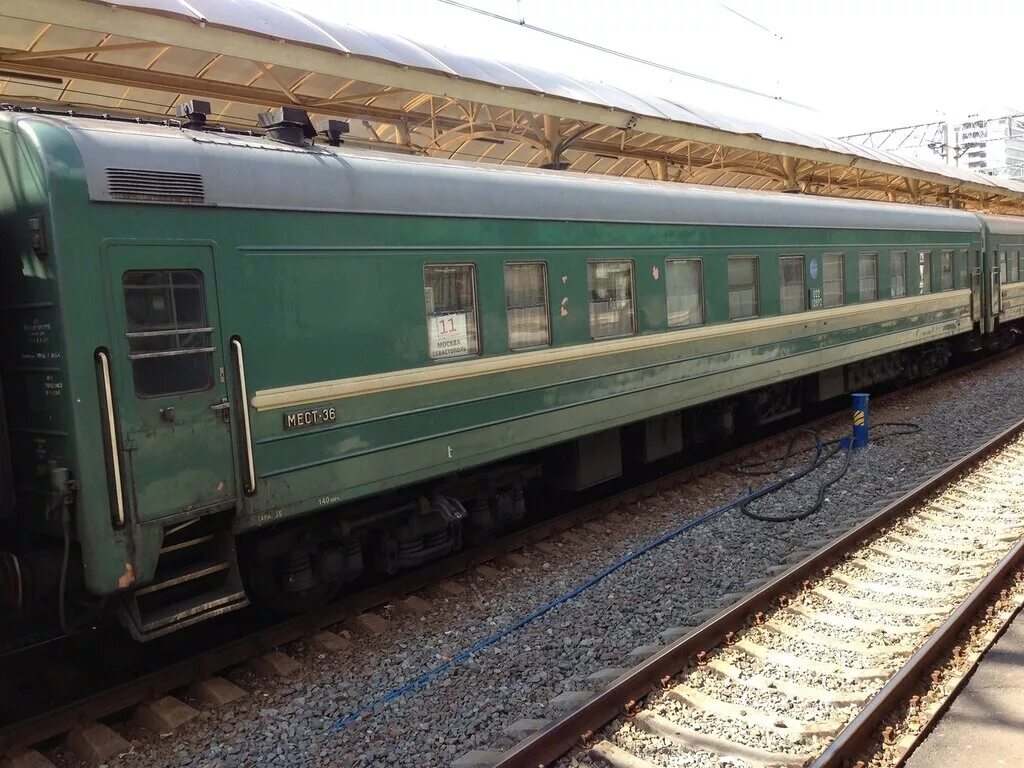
421 681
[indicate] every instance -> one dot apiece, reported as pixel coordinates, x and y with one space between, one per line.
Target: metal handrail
170 353
250 483
169 332
115 457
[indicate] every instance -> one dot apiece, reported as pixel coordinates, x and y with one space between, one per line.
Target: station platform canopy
143 57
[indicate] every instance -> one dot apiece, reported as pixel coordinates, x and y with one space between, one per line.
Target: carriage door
995 295
977 290
167 380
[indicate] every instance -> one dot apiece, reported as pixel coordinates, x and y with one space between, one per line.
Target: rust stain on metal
127 578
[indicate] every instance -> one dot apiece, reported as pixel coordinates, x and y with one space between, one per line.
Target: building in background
994 146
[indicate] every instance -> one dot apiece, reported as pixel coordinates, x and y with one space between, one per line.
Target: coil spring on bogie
435 539
410 547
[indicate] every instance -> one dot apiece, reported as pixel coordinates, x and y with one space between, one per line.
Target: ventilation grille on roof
155 186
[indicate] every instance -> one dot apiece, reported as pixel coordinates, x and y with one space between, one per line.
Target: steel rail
622 695
853 739
931 717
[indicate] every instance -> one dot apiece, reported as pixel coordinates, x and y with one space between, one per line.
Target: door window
170 345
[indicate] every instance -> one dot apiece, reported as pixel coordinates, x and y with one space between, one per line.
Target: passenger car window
868 276
792 294
947 271
924 272
1002 266
685 292
832 279
526 305
743 298
898 273
1013 267
449 292
170 344
611 298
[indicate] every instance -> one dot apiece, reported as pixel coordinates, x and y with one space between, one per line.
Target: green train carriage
1004 236
325 362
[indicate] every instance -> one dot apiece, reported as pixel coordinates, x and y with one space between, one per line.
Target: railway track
805 671
253 646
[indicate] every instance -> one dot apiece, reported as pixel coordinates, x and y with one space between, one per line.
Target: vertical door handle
250 479
112 450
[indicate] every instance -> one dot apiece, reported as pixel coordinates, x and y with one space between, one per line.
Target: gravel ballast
288 722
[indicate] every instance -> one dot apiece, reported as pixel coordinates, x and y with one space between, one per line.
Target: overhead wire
521 22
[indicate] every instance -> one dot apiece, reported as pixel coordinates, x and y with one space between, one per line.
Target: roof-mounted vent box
287 125
333 130
194 112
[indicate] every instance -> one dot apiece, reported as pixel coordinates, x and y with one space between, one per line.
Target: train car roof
131 162
1003 225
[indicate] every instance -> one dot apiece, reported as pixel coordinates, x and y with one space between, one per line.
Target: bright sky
856 64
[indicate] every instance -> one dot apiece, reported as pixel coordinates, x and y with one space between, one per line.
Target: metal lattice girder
142 57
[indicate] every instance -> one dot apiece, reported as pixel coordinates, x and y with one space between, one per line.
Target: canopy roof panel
142 57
